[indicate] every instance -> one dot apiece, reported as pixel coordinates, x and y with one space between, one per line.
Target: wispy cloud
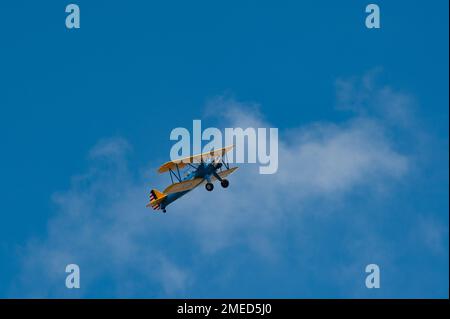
102 225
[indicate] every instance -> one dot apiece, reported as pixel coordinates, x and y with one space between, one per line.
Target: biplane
198 169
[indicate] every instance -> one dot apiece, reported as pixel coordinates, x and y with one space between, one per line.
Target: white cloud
102 225
111 147
431 234
366 97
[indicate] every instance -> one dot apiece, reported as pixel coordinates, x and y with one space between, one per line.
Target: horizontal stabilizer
156 197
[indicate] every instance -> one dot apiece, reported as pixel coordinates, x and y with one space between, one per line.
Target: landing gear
209 186
164 210
224 183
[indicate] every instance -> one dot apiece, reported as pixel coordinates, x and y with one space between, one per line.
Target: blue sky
363 121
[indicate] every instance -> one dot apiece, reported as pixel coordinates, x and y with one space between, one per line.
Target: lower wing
225 173
183 186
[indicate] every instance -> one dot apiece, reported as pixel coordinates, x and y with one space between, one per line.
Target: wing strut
178 170
177 176
225 161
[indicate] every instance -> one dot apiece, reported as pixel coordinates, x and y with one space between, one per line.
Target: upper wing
182 162
183 186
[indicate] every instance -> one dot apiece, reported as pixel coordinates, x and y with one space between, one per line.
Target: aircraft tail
156 197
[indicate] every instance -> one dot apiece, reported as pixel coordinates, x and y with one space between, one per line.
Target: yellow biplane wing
183 186
190 184
225 173
182 162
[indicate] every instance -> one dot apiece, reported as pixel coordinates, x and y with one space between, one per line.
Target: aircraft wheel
209 186
224 183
